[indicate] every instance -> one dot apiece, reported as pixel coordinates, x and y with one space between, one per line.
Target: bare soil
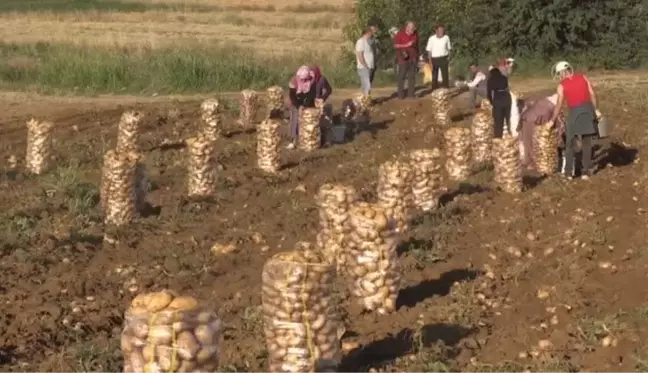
487 275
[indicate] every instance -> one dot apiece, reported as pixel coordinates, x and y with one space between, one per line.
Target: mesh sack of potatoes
210 115
482 136
248 107
372 258
363 105
334 202
507 164
201 173
121 202
128 132
164 332
274 100
457 143
39 146
426 178
441 103
300 315
545 145
394 191
486 105
310 134
268 150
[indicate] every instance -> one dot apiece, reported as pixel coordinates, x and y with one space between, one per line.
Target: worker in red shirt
406 45
577 91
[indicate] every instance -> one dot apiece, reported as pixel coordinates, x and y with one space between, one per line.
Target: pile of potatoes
394 191
39 146
248 107
507 164
457 142
426 181
128 132
334 202
372 258
441 103
211 119
274 100
546 148
482 135
268 141
310 134
301 319
164 332
363 104
201 171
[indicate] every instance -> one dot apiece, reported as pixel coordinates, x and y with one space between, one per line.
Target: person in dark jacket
302 93
499 95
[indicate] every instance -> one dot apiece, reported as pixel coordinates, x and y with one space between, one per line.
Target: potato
207 354
183 304
204 334
160 334
158 301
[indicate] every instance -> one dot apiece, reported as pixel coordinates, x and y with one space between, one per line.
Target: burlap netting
301 318
164 332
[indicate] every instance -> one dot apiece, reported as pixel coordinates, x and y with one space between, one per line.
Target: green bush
594 34
54 67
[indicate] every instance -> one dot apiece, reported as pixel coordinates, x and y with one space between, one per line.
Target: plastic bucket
603 127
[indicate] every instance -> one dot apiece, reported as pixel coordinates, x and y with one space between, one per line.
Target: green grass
61 6
57 68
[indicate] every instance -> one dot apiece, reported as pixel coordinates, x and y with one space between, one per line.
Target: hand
598 114
409 44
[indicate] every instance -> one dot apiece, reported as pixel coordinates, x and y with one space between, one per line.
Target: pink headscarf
303 80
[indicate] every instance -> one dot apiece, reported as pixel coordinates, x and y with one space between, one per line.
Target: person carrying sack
577 91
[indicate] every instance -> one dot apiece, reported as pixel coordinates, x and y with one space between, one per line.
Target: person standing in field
499 95
406 45
365 58
439 47
577 91
477 86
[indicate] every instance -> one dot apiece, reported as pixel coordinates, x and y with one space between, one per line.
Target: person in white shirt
438 48
477 86
365 58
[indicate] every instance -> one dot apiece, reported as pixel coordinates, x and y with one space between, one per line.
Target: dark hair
474 63
367 29
438 26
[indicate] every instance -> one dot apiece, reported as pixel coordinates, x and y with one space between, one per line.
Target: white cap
561 66
510 60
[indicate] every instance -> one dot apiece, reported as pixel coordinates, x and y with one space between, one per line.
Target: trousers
440 63
501 118
586 156
406 71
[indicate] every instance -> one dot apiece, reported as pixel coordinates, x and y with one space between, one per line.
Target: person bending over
498 94
577 91
477 86
302 93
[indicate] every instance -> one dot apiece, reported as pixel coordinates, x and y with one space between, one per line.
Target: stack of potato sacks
39 146
482 134
310 134
508 166
248 107
274 102
334 202
164 332
394 191
268 141
441 103
201 170
426 183
372 258
124 182
211 119
300 315
457 142
545 144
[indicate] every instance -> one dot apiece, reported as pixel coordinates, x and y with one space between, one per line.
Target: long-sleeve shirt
479 77
497 87
323 89
302 99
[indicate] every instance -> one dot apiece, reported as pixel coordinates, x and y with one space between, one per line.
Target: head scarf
317 73
303 80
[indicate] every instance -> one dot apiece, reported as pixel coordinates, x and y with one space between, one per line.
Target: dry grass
266 26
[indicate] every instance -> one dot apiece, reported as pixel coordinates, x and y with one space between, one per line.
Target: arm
559 103
325 89
490 89
592 94
479 77
398 42
292 93
449 44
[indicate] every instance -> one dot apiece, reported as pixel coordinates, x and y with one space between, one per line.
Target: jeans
406 70
366 78
586 156
440 63
294 123
478 91
501 115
